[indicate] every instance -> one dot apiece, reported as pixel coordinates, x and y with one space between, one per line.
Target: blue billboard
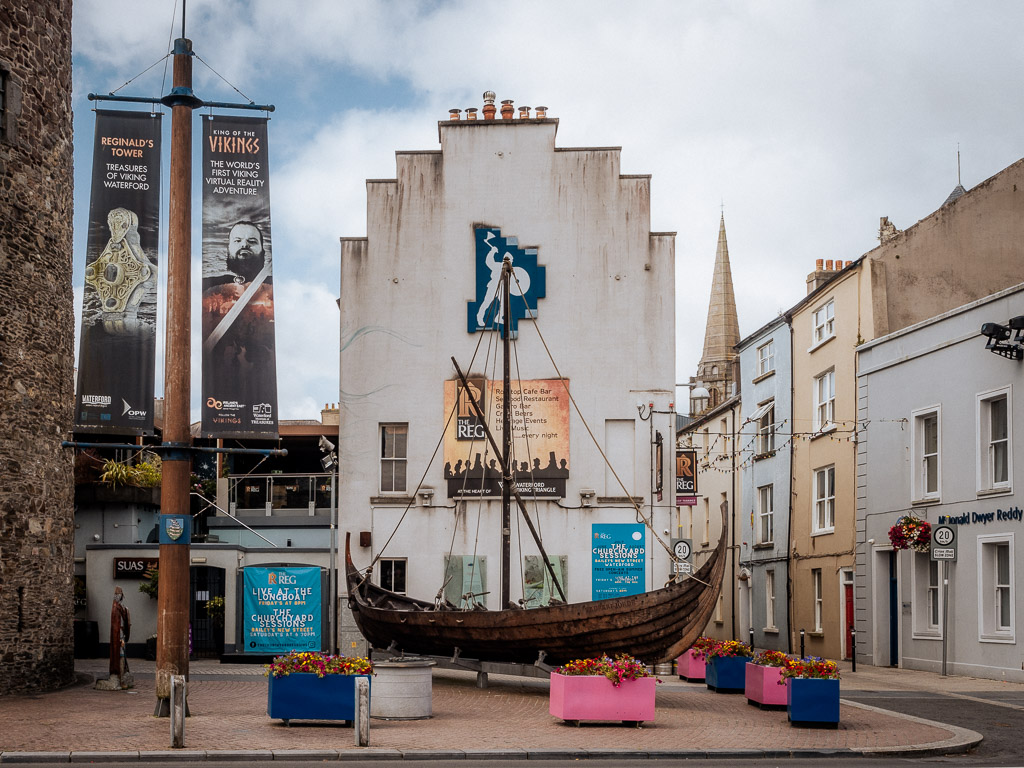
281 610
617 557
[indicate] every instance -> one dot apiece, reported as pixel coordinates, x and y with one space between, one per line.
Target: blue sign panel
529 284
175 529
617 554
281 610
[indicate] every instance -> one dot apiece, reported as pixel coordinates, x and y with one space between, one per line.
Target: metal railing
280 494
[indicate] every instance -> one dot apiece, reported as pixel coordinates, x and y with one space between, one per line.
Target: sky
801 121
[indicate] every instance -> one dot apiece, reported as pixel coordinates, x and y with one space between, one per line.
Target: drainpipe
732 524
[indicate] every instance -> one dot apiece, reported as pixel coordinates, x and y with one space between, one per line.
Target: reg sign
943 544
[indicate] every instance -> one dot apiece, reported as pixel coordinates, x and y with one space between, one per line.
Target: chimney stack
489 109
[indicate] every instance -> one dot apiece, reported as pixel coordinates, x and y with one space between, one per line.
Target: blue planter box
726 674
813 700
304 696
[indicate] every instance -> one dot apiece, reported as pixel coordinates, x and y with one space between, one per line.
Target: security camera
995 331
326 445
1017 323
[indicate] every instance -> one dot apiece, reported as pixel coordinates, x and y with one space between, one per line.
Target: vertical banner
239 365
281 610
617 557
117 353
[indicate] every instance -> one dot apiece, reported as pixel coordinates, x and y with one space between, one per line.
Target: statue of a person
120 632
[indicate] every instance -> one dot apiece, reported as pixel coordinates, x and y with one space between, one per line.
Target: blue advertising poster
617 554
281 610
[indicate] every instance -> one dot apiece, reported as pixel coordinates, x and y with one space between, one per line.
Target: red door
848 600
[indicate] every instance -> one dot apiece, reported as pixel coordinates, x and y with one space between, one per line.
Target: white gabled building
603 287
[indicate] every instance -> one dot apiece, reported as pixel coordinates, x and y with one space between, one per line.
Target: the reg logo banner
282 610
617 556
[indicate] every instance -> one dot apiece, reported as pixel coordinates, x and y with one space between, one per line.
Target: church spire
722 332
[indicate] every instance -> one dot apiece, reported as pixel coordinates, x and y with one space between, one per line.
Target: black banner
239 365
117 355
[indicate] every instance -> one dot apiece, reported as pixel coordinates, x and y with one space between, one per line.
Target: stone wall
36 346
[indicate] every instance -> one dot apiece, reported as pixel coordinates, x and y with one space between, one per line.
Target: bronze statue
120 632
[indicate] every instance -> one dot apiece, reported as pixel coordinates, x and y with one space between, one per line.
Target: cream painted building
411 293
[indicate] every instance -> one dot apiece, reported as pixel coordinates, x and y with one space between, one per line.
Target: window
994 445
766 430
720 610
995 588
825 500
394 440
925 451
465 580
766 358
824 322
825 401
392 574
816 582
927 603
538 586
765 514
769 599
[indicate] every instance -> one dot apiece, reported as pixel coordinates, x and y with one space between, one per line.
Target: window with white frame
394 439
995 458
392 574
824 322
996 588
769 599
766 358
825 400
818 605
824 499
765 514
766 429
927 605
925 450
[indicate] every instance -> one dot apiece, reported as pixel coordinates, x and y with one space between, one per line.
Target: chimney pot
489 109
507 110
819 264
524 113
453 114
828 265
542 113
471 113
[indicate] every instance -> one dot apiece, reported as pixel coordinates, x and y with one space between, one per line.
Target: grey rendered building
937 412
764 445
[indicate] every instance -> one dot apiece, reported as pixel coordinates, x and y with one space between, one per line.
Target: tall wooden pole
506 440
174 594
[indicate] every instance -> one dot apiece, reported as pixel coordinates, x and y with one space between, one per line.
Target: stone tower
716 371
36 346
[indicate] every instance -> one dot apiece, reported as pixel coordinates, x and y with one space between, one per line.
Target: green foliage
145 474
151 586
215 610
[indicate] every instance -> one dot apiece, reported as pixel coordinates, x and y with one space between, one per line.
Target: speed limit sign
943 545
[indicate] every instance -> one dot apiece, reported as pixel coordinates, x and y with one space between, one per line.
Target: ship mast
506 436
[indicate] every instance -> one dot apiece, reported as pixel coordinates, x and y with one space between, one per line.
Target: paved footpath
228 718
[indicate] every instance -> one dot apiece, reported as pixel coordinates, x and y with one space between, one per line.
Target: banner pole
174 595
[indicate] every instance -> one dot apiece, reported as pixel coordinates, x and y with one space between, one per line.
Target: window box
594 697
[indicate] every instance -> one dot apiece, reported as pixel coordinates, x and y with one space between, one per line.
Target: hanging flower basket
911 533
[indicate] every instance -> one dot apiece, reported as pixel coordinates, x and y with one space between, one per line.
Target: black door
206 612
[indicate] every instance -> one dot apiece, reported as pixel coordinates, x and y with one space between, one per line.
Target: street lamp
329 461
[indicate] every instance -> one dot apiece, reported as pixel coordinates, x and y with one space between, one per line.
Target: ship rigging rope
639 513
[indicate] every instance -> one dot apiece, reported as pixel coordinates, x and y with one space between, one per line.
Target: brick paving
228 707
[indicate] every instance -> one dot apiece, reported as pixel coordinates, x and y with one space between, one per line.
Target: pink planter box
690 666
586 697
762 687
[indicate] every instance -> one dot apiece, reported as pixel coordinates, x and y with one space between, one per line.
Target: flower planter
813 701
726 674
763 688
304 696
585 697
690 667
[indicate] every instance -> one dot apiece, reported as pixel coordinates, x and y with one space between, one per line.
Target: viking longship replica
654 626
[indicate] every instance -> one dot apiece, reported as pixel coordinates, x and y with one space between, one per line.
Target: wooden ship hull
654 626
